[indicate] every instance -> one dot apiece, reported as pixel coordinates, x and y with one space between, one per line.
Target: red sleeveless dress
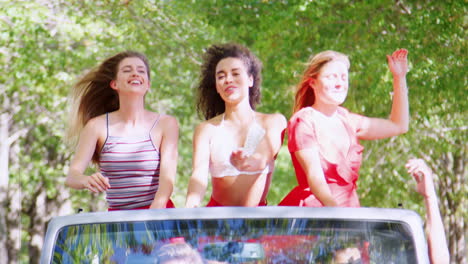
341 177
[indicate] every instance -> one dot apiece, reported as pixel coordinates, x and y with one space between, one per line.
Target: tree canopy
46 45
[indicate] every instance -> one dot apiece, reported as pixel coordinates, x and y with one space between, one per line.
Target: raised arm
377 128
168 162
84 152
268 148
200 165
438 250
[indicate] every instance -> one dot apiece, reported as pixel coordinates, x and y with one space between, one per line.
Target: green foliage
46 45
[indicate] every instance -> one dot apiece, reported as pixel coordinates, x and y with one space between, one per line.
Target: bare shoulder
169 121
207 128
94 131
275 120
357 121
96 124
208 125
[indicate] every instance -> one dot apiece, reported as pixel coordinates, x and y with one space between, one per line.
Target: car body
270 234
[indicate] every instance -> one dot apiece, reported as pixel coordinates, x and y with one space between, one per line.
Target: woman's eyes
220 77
334 77
139 71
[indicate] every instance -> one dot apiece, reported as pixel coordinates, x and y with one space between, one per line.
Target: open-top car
239 235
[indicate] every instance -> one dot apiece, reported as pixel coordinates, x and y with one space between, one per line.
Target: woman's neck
131 111
240 113
326 109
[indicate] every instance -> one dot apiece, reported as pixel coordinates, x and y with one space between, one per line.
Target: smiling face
232 79
132 76
331 85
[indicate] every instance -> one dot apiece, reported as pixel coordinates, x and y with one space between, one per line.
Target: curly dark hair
209 102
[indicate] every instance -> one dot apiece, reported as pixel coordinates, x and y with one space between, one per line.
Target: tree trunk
453 206
37 213
13 222
40 212
4 149
3 227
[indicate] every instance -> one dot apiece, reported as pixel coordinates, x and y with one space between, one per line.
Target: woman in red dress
324 137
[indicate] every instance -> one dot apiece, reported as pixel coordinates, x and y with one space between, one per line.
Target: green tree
46 45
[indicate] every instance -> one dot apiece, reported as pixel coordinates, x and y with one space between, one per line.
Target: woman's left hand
244 162
398 63
239 159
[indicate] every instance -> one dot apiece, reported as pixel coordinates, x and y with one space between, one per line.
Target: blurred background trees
46 45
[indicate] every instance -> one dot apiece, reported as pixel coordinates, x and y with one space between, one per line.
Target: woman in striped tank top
135 149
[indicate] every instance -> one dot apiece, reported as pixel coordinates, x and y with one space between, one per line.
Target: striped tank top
132 166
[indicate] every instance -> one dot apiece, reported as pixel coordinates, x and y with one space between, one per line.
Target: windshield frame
410 218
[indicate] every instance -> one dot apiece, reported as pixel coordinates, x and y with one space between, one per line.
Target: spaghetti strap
222 120
107 124
107 136
154 124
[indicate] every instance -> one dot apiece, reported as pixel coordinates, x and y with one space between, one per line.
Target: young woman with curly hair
236 144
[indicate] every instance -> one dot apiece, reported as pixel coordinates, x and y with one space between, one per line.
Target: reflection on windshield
238 241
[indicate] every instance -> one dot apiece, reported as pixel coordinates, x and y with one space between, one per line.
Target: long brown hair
305 94
209 102
92 95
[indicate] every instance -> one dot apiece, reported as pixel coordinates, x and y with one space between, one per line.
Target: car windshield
259 240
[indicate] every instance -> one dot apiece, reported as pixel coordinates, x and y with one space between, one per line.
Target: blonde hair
181 252
304 94
92 95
